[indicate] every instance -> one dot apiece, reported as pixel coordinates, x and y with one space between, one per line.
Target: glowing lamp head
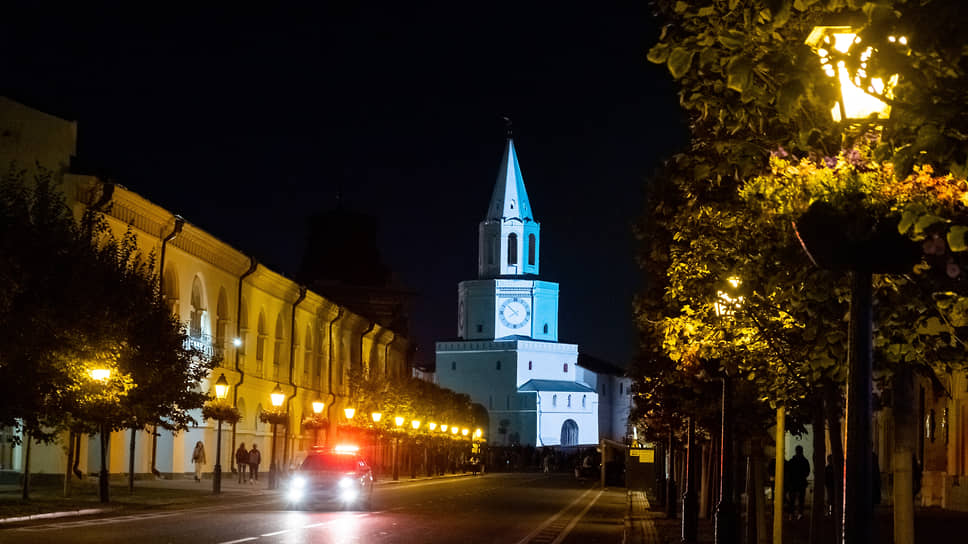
237 342
318 406
277 396
465 431
856 102
349 412
454 430
415 424
443 428
376 416
727 303
100 374
221 388
478 433
432 425
399 421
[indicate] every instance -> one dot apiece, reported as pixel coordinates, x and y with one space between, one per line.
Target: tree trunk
134 435
70 463
25 489
819 462
780 457
905 441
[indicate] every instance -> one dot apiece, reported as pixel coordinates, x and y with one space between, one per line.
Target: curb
64 514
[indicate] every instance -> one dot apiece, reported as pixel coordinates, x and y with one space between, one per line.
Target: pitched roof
554 385
509 199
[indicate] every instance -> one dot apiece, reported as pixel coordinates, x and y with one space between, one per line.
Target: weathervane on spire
507 125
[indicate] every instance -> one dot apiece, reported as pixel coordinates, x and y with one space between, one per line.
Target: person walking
799 469
255 457
242 461
198 457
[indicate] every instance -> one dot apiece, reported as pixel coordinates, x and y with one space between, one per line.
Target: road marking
277 532
240 540
574 522
552 519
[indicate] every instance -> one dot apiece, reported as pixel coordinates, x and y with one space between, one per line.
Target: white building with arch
507 356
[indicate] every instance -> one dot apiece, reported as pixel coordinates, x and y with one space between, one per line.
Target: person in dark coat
799 470
242 461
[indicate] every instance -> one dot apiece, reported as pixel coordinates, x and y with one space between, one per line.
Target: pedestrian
242 460
198 457
255 457
799 470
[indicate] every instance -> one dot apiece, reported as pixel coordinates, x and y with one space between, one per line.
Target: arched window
260 343
277 348
318 367
583 401
498 366
554 401
621 388
490 402
198 309
569 433
243 331
169 289
531 249
566 368
569 401
512 248
529 364
546 328
507 402
453 365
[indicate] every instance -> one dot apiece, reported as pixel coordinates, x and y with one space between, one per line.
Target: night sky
245 123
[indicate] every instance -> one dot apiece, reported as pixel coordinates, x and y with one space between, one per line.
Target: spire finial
507 125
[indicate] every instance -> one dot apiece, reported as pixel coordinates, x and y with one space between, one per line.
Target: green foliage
77 298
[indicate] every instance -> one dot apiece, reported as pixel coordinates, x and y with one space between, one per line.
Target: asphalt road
505 508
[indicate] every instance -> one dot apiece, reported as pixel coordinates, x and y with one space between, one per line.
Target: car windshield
331 462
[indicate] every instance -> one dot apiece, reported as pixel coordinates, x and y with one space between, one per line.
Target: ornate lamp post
858 101
277 397
726 518
398 421
103 375
221 391
318 407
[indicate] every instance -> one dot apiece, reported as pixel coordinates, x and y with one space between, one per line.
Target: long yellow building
268 329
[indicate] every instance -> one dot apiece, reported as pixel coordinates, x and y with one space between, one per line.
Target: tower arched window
546 328
583 401
498 366
554 400
531 249
512 248
569 401
565 367
530 363
453 365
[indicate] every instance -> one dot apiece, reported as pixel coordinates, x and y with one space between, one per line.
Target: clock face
514 313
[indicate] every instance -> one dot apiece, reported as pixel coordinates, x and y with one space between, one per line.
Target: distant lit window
512 248
453 365
531 250
566 368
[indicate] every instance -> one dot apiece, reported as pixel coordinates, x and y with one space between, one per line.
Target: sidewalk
47 500
640 520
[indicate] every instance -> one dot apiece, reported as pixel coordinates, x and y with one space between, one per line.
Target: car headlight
345 483
298 482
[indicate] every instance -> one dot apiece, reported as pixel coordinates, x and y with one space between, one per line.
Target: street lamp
443 428
277 397
103 375
318 407
858 100
727 302
415 424
376 416
349 413
398 421
221 391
